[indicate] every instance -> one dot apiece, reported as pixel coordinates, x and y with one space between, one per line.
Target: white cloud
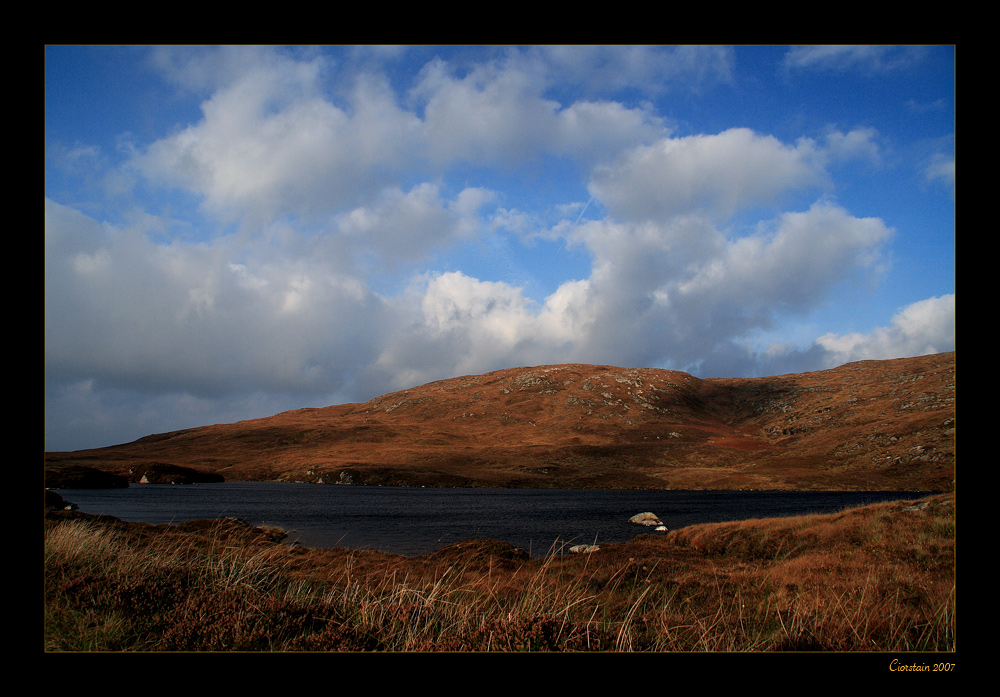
676 291
270 145
667 283
341 180
204 70
793 262
865 57
942 170
492 115
498 114
597 131
926 326
650 68
456 301
714 175
679 290
858 144
273 143
184 317
403 227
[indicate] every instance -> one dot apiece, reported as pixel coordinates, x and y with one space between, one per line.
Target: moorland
878 578
874 579
870 425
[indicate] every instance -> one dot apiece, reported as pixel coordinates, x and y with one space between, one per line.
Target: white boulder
648 519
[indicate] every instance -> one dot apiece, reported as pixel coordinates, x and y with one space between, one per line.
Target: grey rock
648 519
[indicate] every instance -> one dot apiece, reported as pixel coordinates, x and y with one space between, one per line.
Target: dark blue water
414 521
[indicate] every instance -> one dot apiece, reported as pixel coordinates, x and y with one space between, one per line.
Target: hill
869 425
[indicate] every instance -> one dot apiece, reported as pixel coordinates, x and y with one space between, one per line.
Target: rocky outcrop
55 502
82 477
158 473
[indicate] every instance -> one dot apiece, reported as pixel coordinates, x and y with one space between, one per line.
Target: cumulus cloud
403 227
674 292
453 324
711 174
187 318
498 114
268 150
792 262
678 290
694 242
272 143
926 326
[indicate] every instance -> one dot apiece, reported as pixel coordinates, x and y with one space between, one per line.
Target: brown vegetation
872 425
871 579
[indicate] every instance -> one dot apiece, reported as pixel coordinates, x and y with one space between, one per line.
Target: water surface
414 521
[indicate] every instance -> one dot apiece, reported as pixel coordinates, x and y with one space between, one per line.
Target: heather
869 579
868 426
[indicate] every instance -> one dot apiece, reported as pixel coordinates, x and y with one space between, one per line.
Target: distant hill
870 425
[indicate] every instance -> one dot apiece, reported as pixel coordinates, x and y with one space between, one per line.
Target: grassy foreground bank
876 578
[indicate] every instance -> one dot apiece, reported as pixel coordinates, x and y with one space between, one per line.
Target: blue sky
235 231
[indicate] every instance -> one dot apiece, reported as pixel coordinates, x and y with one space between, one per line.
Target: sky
236 231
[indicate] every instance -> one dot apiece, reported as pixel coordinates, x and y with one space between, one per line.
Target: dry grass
879 578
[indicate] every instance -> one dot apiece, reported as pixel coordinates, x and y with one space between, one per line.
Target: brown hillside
875 425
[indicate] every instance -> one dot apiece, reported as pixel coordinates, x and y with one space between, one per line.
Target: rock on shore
650 520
